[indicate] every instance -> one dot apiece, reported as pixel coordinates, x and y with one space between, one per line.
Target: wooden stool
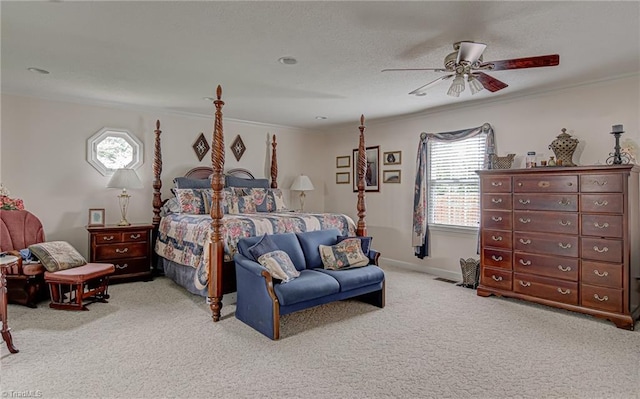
85 283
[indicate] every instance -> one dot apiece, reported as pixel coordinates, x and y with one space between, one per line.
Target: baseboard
443 273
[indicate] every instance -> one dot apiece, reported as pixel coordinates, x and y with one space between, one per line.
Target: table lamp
124 179
302 183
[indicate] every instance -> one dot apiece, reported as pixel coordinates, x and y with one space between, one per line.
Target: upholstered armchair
18 230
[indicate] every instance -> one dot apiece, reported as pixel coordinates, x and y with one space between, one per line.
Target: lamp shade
124 178
302 183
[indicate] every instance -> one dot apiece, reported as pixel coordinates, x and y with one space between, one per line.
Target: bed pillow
263 246
172 205
233 181
241 204
260 198
279 265
346 254
275 200
185 182
194 201
365 242
57 255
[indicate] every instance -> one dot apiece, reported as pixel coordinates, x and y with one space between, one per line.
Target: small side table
6 262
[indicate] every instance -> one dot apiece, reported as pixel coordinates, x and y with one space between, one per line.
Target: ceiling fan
466 61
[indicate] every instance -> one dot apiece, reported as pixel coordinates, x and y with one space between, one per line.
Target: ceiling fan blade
414 69
489 82
528 62
470 51
422 89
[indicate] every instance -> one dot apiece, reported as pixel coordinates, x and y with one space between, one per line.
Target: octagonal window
111 149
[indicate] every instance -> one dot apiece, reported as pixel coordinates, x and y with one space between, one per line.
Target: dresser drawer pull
122 266
525 283
123 251
564 246
496 183
564 292
525 221
604 249
601 203
525 242
135 236
499 278
565 223
564 202
496 218
604 298
525 262
496 200
524 202
603 274
498 238
564 269
108 238
496 258
597 183
601 226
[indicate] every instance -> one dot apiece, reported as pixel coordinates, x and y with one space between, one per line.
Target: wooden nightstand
127 247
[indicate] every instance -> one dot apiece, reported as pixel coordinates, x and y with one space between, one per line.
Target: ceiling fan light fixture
457 86
474 84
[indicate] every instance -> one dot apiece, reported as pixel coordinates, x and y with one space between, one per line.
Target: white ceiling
169 55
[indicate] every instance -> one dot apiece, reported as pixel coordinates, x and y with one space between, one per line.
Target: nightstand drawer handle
564 246
604 183
496 218
123 251
525 284
604 249
564 202
499 278
525 262
564 292
496 258
525 242
122 266
135 236
601 203
108 238
565 223
496 183
524 202
603 274
498 238
496 200
525 221
601 226
604 298
564 269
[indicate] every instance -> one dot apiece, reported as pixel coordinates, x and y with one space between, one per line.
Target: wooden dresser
567 237
127 247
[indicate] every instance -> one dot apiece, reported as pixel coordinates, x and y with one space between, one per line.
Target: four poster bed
205 241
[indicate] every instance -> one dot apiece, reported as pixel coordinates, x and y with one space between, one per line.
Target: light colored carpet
433 340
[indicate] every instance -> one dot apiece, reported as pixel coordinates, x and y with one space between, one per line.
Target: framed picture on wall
372 169
392 158
391 176
96 217
343 178
343 162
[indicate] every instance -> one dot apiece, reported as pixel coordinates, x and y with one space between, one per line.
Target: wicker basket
470 272
504 162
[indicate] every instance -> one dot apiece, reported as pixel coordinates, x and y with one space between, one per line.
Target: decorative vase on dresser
564 237
127 247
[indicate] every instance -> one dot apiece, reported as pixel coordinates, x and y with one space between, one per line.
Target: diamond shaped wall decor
238 148
201 147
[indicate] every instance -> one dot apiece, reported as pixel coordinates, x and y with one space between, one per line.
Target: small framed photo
343 162
96 217
343 178
391 176
372 171
393 158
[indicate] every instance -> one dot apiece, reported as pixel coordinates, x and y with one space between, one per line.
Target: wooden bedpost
361 228
274 163
157 196
216 253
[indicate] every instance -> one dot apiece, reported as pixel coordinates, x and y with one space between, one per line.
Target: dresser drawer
496 184
496 258
546 244
120 251
602 274
497 238
496 201
601 203
549 266
558 222
129 266
135 236
601 249
608 299
546 288
546 202
499 220
550 184
496 278
602 225
601 183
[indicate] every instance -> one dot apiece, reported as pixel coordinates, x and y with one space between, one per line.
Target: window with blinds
454 187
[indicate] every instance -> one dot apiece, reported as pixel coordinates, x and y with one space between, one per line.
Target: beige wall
521 124
43 159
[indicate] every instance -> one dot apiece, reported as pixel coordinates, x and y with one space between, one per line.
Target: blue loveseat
261 299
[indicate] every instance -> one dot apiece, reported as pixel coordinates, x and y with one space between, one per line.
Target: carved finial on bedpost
217 184
361 228
274 163
157 182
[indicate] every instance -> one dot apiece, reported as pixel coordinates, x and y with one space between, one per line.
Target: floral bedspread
182 238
